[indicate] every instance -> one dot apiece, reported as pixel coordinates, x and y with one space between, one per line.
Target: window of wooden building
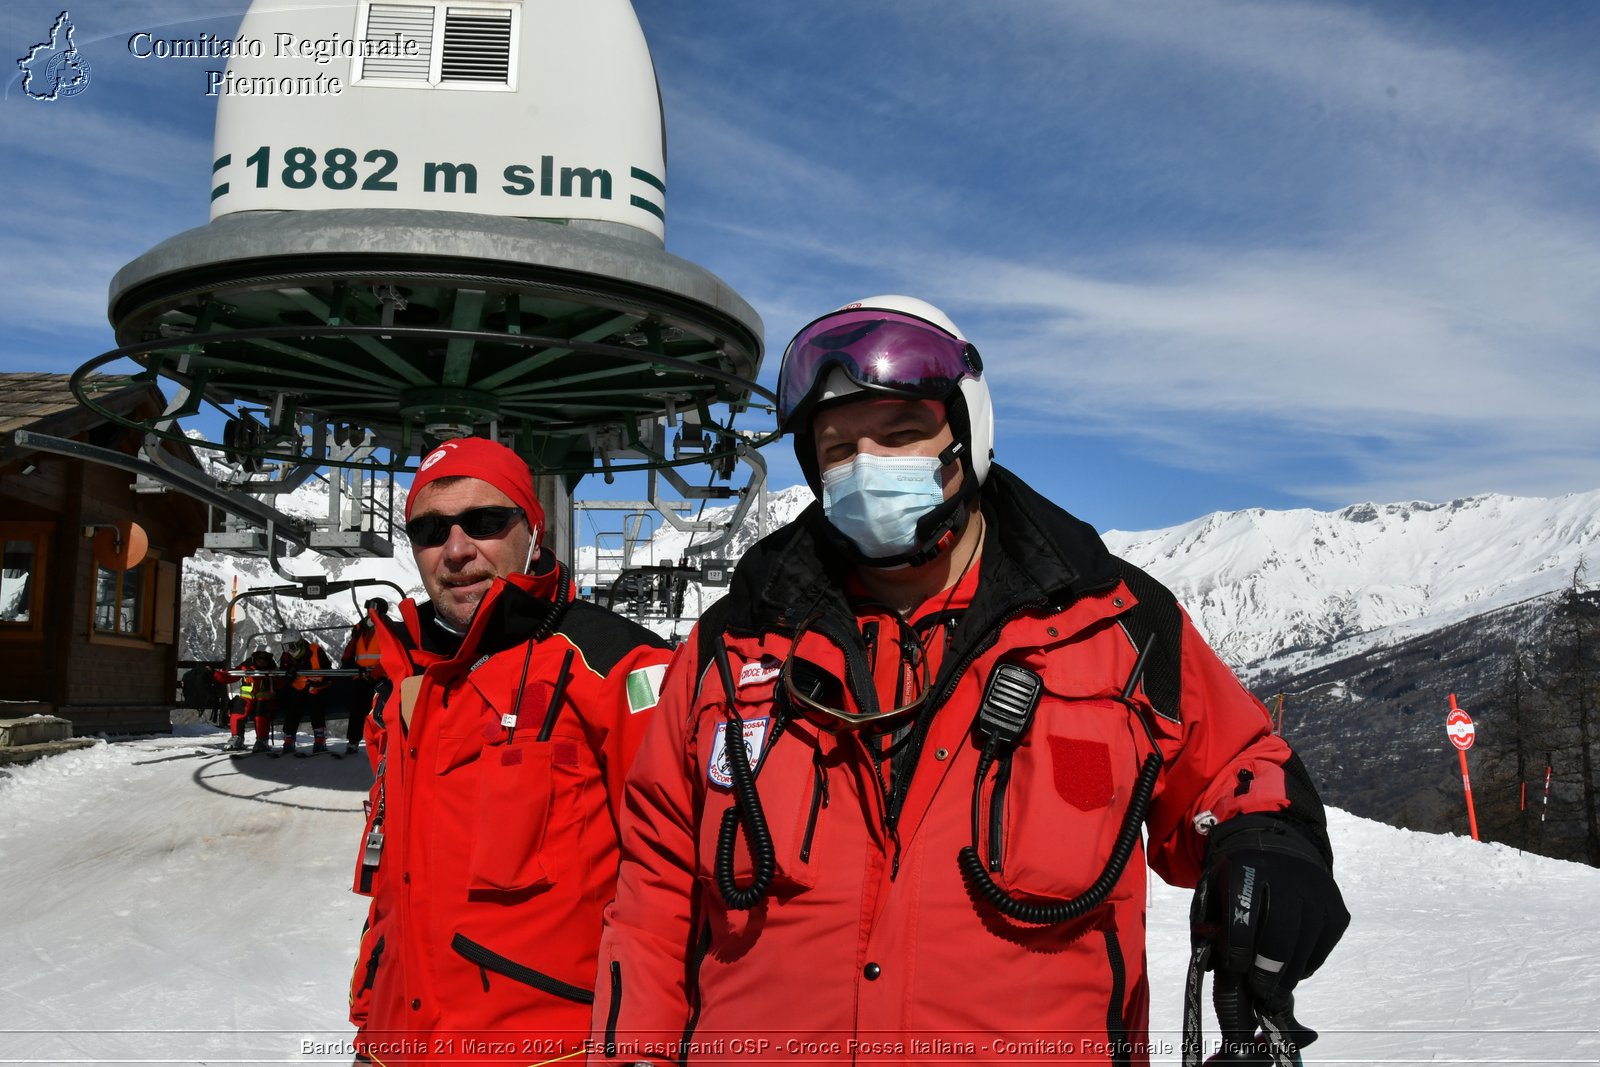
123 601
24 557
139 603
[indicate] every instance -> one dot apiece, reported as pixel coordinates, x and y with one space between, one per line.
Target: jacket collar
1034 552
517 608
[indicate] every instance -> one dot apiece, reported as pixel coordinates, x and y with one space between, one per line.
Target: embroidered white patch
755 740
763 670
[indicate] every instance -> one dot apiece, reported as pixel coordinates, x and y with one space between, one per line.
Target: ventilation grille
412 22
477 46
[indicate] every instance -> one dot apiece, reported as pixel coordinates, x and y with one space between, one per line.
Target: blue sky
1216 255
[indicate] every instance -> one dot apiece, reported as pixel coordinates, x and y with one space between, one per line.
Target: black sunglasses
431 531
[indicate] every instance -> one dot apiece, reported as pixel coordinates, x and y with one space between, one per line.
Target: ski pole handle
1281 1037
1236 1018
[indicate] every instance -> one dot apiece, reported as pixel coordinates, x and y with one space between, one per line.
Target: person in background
257 700
899 798
491 845
302 691
361 653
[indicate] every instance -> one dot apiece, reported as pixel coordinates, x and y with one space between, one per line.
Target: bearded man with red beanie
490 850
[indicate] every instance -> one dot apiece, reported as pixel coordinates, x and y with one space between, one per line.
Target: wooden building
93 645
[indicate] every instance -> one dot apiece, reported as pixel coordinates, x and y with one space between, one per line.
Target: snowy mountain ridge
1292 588
1282 589
1271 590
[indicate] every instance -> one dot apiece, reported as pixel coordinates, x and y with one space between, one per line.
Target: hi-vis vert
301 167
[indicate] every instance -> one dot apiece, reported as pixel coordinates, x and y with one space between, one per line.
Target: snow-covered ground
164 903
160 903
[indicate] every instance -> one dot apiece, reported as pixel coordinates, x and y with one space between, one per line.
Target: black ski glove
1269 906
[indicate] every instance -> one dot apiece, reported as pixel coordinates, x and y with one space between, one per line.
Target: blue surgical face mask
876 501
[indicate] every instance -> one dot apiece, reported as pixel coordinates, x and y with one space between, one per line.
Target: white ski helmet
828 361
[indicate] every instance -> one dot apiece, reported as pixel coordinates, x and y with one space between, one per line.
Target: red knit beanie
487 461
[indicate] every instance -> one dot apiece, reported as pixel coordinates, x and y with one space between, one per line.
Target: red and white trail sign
1458 725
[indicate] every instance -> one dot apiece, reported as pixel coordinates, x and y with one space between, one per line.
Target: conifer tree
1512 746
1574 688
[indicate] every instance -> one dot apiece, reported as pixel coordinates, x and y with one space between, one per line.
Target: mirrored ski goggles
431 531
894 352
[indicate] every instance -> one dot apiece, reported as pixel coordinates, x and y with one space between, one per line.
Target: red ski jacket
871 945
497 810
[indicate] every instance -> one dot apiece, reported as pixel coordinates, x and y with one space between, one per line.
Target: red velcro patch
1082 772
565 754
510 755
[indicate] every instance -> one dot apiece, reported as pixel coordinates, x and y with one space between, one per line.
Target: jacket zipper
489 960
819 799
701 948
914 751
616 1008
1116 1028
852 660
372 966
894 799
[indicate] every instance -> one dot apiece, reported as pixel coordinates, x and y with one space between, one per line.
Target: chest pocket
513 816
1054 820
791 781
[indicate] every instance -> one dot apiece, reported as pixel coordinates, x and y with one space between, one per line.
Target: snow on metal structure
432 219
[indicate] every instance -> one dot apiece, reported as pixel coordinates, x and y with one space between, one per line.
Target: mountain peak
1258 583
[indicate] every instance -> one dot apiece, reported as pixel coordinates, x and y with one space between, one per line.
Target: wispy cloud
1425 341
1338 250
1418 316
78 217
1393 69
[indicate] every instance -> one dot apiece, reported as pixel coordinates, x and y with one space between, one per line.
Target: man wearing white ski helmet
907 778
891 348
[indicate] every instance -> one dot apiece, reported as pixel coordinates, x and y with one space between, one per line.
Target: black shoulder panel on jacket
603 636
1157 614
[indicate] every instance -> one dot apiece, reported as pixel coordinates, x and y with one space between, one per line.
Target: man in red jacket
890 808
491 844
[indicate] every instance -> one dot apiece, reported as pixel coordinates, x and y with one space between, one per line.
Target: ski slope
160 903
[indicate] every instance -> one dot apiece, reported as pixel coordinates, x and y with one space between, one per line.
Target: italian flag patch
644 688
